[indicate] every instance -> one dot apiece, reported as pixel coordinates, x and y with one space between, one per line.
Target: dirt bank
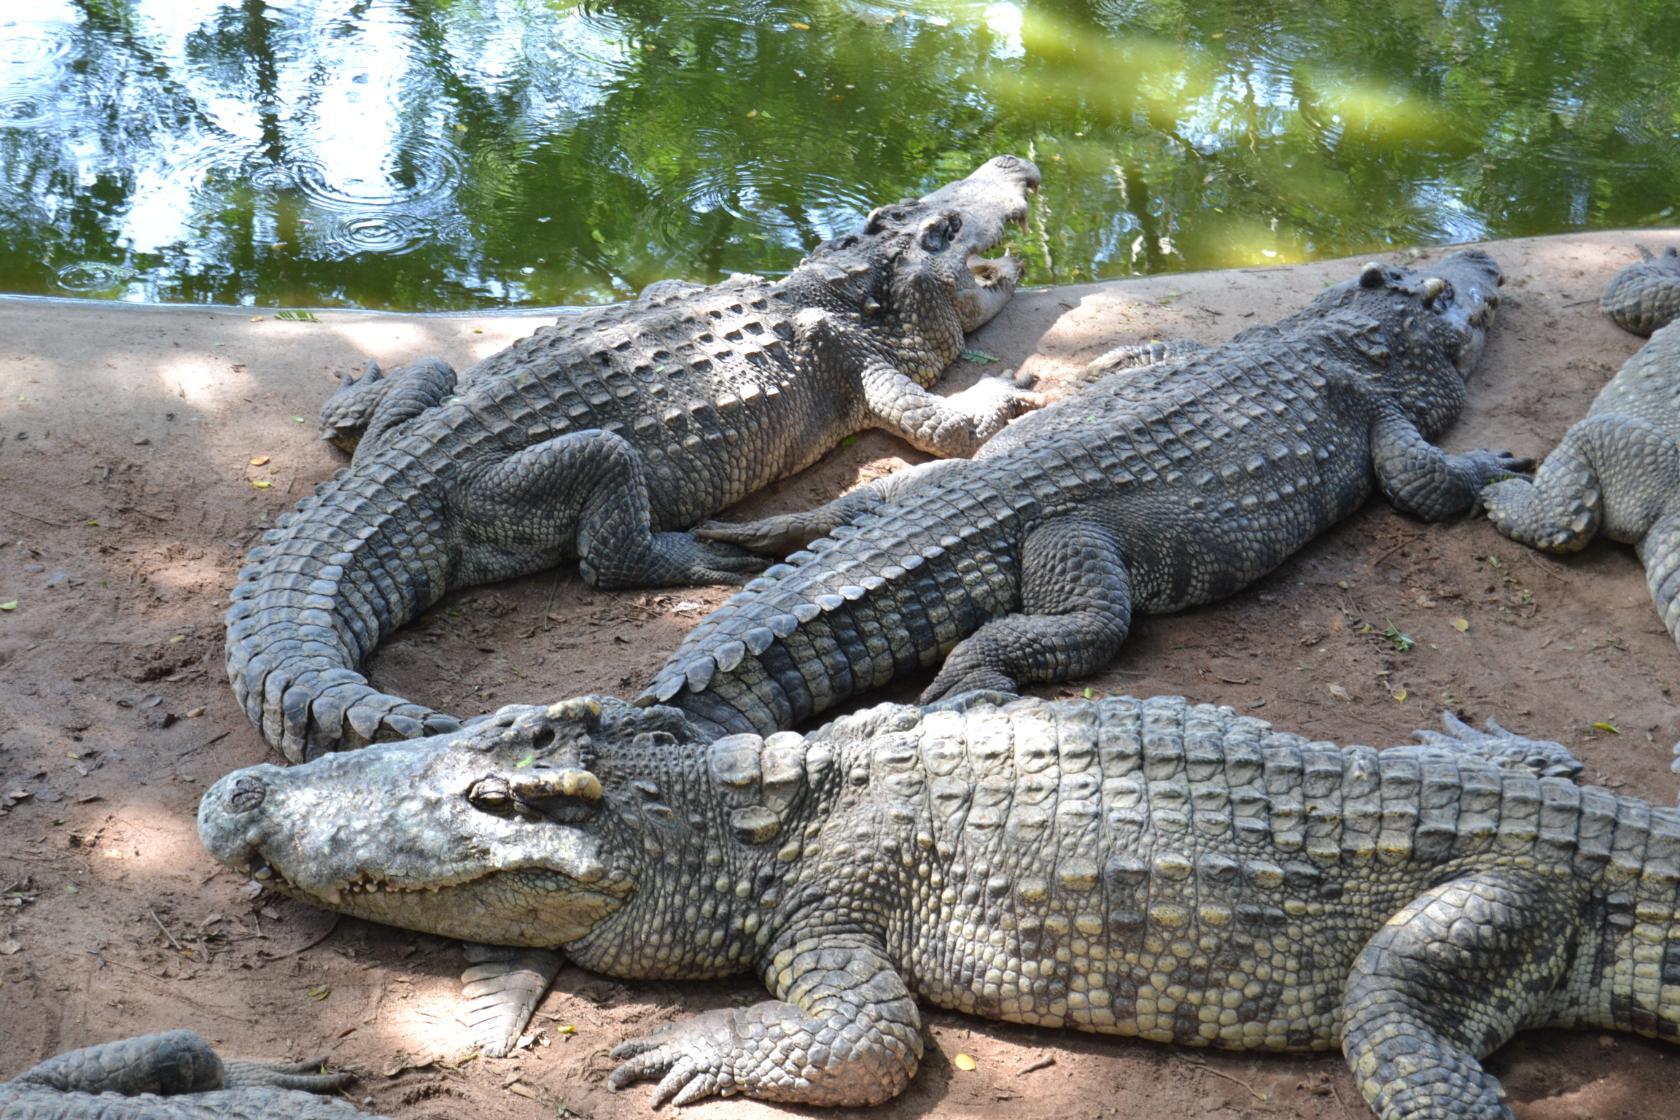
142 450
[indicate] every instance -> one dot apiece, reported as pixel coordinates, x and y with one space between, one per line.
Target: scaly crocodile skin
1154 868
600 437
1150 490
171 1076
1645 295
1617 471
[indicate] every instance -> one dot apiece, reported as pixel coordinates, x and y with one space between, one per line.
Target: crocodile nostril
247 794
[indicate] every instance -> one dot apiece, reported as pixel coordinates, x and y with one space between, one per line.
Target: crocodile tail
870 603
1636 986
1660 552
327 582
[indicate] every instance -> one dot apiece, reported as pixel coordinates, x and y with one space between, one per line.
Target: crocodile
600 437
174 1075
1150 490
1154 868
1646 294
1617 470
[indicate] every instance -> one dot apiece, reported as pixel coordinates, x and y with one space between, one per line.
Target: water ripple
388 234
426 173
26 110
93 276
35 43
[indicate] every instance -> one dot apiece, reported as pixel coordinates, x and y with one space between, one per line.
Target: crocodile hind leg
588 490
1645 296
1611 471
345 414
362 411
783 533
1448 980
1505 749
503 987
1076 607
171 1063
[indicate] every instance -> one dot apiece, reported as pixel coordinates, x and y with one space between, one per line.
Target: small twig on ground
142 512
37 520
548 608
326 933
1045 1062
1255 1093
103 961
166 932
1378 562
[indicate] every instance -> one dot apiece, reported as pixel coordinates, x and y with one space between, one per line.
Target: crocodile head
500 832
1425 328
914 263
1448 306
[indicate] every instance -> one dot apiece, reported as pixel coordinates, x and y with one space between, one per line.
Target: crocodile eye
491 795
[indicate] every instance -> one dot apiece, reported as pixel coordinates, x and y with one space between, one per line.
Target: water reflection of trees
510 152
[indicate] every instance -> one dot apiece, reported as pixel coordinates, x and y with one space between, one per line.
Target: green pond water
429 154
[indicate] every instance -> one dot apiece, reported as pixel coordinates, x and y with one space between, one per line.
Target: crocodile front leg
1449 979
503 987
1421 479
943 426
1076 608
1139 355
783 533
587 488
843 1031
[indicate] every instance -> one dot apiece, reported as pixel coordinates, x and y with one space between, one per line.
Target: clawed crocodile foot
345 414
768 536
973 698
1505 749
986 681
694 561
687 1056
308 1076
1496 465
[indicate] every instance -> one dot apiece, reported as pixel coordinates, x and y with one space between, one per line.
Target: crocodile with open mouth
599 438
1147 491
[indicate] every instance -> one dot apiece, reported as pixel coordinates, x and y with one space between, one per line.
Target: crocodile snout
247 794
229 817
1015 165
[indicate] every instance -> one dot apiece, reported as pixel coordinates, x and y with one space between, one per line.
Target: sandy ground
143 449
